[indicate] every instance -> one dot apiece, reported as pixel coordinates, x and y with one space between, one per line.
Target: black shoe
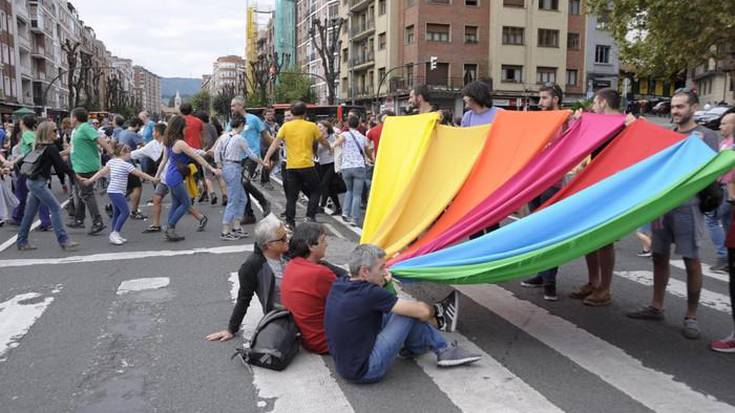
550 292
97 227
533 282
224 200
152 228
202 224
75 224
266 208
137 215
204 197
213 199
446 312
248 220
44 228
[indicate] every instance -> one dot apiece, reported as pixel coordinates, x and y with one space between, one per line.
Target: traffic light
432 62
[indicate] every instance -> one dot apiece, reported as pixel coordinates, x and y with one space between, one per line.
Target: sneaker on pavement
647 313
213 199
721 265
152 228
115 239
446 312
644 253
240 232
598 298
97 227
69 245
691 328
137 215
726 345
533 282
172 236
580 293
455 355
229 237
550 292
224 200
75 224
202 223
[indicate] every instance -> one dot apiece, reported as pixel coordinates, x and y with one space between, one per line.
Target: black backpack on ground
274 343
710 197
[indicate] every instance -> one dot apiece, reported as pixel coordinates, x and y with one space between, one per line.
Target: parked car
714 116
662 108
698 115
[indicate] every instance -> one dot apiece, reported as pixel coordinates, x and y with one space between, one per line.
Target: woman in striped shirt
118 169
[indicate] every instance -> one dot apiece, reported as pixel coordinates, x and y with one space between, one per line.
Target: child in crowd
118 168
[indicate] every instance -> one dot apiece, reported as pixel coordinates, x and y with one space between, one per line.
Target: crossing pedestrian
209 137
27 139
269 119
131 138
356 157
327 173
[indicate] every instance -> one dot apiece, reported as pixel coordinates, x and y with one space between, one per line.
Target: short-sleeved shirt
193 131
131 139
26 142
148 131
324 153
304 293
471 118
119 171
353 149
374 136
85 157
299 135
253 128
710 137
352 321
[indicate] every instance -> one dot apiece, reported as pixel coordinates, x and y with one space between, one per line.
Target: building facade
147 89
9 73
307 56
603 64
227 71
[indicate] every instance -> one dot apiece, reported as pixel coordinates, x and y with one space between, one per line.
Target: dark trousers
548 276
85 194
731 270
250 189
306 180
21 192
265 173
326 176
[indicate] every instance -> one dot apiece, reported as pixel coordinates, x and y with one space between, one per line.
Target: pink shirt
727 144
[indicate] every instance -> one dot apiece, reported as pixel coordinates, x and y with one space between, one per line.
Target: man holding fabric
682 226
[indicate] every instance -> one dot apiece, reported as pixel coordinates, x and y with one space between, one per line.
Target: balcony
24 42
360 30
366 91
452 85
362 59
357 5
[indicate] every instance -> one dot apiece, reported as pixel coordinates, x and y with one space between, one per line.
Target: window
438 76
410 3
514 3
470 34
381 74
572 77
345 55
602 54
440 1
545 75
548 4
381 41
437 32
409 34
344 85
574 7
548 38
381 7
472 3
512 35
512 74
573 41
470 73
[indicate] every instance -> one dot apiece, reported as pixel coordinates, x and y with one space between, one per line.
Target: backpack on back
274 343
31 164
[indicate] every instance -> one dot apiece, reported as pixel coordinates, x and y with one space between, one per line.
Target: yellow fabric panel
449 160
191 183
403 144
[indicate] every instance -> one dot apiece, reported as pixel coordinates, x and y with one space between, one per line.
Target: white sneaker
115 239
124 240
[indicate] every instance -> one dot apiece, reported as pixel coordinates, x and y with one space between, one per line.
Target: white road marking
716 301
706 270
16 318
656 390
306 385
35 225
142 284
500 389
117 256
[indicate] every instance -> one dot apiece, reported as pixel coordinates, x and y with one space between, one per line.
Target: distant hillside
186 87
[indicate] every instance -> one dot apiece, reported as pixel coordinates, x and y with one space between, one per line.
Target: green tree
202 100
663 37
222 100
293 84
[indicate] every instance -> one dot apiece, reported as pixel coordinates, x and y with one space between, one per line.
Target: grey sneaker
691 328
455 355
647 313
446 312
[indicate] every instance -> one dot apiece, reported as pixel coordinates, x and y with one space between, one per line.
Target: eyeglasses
282 239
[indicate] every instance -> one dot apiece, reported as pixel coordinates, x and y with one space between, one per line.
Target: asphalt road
77 335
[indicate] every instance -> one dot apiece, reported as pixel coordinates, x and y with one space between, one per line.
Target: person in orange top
194 127
306 283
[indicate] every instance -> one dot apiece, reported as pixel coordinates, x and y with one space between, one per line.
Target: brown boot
599 298
580 293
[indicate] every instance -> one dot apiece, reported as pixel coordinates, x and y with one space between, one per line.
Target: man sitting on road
306 284
367 326
261 274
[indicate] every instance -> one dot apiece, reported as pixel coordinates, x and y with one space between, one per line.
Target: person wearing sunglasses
260 274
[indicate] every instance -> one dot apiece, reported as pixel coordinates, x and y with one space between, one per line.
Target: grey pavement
72 341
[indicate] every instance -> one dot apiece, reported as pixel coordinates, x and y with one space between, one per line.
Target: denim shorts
681 227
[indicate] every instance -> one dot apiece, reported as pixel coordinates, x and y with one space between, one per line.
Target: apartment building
147 89
715 79
307 56
227 70
9 91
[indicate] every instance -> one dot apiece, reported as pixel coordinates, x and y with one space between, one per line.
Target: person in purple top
478 99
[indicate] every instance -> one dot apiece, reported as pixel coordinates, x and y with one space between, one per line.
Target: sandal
152 228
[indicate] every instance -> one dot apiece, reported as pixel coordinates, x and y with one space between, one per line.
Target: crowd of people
348 314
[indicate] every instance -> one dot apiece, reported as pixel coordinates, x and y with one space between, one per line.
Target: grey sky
171 38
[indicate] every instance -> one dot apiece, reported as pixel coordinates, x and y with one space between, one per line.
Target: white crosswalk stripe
17 316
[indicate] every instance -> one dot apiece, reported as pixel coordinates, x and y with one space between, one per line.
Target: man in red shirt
374 133
194 127
306 284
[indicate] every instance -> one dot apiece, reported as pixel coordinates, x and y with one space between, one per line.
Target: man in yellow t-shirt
299 136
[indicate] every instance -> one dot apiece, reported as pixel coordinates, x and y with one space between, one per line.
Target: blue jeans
40 195
400 332
21 192
236 200
120 211
717 230
180 204
354 181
